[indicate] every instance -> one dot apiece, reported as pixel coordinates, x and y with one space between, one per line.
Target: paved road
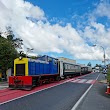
96 99
62 97
91 76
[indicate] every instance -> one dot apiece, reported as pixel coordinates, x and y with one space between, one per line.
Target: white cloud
98 33
44 37
103 9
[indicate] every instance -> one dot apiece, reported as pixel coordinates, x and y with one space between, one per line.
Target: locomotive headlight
20 58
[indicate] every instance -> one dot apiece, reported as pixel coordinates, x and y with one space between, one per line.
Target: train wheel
51 80
28 89
58 78
65 77
40 83
34 82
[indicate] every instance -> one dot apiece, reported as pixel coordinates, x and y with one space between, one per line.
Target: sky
60 28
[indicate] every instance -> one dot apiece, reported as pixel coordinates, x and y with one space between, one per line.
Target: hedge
108 75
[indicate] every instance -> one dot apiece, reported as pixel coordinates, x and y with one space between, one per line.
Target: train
86 69
29 73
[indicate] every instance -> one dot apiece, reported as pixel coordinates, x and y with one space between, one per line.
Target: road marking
79 77
3 86
76 80
81 98
34 92
83 81
42 90
89 81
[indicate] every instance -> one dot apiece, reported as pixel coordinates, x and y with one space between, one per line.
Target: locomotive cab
20 78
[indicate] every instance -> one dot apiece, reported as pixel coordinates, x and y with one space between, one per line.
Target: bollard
108 90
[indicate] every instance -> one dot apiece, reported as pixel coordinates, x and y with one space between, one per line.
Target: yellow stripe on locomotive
21 67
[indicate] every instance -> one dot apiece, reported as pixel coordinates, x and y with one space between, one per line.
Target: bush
108 75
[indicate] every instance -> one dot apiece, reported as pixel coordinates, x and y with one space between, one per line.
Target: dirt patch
103 81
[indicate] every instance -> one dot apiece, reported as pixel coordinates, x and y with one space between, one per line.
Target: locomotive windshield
20 69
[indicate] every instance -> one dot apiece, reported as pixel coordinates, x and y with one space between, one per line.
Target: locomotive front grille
20 69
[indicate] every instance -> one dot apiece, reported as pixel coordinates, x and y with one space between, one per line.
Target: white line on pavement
89 81
38 91
31 93
82 81
76 80
79 101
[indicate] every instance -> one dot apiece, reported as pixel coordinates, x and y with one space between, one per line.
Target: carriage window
66 66
76 67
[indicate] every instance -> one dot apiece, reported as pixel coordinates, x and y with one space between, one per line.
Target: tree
16 42
89 64
22 54
8 50
108 76
7 54
97 65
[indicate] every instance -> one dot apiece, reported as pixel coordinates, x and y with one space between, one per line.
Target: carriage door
61 68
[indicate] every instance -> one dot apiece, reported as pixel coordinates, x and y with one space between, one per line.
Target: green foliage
100 65
22 54
16 42
97 65
108 75
8 50
7 53
33 57
89 64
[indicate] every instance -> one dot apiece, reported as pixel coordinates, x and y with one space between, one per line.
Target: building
67 60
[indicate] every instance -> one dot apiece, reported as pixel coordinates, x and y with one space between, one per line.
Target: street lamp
103 51
28 50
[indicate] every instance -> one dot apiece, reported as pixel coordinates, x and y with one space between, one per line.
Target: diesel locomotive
29 73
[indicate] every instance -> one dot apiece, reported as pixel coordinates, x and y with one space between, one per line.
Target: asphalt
61 97
96 99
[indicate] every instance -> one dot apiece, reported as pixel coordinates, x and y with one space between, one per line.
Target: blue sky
60 28
65 11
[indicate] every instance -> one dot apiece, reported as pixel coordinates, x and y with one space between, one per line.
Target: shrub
108 75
